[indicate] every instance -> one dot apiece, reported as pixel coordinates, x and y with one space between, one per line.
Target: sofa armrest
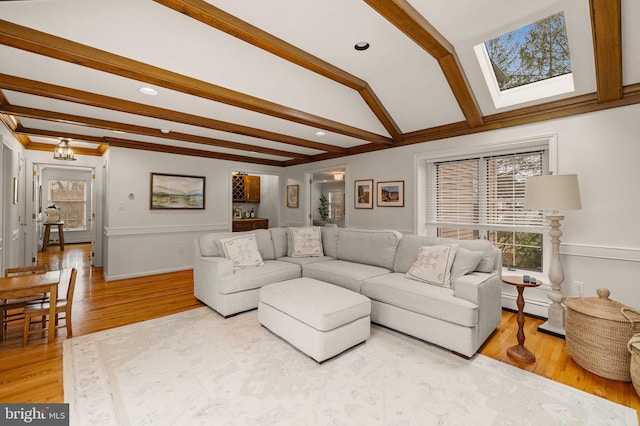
485 290
206 272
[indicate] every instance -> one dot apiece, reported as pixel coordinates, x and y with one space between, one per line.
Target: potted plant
324 207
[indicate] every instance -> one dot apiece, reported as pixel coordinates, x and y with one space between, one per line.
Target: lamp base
552 330
555 324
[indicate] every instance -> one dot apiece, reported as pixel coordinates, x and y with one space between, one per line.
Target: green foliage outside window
535 52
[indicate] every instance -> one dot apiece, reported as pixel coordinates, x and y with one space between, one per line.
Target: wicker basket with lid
634 348
597 332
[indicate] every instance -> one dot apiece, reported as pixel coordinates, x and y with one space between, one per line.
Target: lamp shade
552 192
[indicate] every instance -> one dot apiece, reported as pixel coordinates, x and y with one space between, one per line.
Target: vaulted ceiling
257 81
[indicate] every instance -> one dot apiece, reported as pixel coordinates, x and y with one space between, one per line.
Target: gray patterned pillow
433 265
305 242
243 251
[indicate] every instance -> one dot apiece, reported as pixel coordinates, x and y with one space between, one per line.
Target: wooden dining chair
12 309
34 310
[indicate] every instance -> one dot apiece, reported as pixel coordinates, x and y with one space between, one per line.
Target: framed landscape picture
177 192
292 196
363 196
391 194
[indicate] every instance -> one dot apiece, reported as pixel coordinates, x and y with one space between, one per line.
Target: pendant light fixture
63 151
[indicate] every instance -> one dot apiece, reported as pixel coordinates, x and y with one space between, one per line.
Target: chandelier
63 151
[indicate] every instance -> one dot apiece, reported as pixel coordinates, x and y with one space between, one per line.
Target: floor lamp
553 193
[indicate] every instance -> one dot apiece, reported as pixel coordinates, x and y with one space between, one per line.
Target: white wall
601 242
141 241
12 234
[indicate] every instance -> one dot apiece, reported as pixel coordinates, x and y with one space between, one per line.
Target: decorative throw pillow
305 242
433 264
243 251
466 261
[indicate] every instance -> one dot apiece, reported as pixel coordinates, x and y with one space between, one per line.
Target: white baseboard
531 306
146 273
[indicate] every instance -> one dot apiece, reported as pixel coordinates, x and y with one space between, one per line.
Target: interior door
91 220
33 215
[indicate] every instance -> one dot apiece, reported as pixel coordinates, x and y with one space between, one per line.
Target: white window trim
521 94
548 142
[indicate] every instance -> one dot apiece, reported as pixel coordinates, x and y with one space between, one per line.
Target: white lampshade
552 192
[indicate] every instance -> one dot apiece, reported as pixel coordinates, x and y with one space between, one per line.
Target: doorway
327 197
72 190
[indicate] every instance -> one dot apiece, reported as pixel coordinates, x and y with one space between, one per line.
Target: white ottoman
320 319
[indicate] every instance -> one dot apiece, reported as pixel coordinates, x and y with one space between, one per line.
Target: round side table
519 352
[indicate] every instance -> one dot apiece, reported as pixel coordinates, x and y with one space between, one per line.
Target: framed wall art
363 196
293 196
391 194
177 192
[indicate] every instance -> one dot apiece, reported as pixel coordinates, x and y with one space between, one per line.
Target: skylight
529 63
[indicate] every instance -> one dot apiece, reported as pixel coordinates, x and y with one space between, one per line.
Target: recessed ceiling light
362 45
165 130
320 133
150 91
119 131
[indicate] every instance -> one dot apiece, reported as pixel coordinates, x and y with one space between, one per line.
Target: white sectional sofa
373 263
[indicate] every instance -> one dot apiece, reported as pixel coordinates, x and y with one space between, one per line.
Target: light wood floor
34 374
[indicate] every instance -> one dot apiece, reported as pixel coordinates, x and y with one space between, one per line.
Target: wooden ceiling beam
35 41
78 150
52 91
217 18
44 133
606 26
408 20
140 130
146 146
11 123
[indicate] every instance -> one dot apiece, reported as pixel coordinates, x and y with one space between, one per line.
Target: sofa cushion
304 242
370 247
434 301
251 278
433 265
410 244
305 260
330 240
318 304
279 240
210 243
242 250
466 261
339 272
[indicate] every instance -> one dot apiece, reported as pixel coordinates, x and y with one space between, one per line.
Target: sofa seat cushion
320 305
438 302
251 278
305 260
345 274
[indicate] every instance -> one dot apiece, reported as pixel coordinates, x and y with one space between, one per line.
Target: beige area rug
195 368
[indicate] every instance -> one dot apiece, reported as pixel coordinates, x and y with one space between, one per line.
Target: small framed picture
363 196
391 194
292 196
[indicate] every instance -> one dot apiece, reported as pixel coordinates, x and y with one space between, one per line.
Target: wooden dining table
33 285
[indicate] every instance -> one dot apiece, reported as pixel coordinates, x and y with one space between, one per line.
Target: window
336 205
529 63
70 196
484 198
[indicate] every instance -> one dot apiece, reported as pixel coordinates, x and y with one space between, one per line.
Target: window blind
506 177
486 193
